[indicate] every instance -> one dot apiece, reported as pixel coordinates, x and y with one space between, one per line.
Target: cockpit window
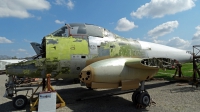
62 32
93 30
107 33
82 29
76 28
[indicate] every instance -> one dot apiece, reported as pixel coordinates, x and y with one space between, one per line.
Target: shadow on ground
8 107
185 89
115 103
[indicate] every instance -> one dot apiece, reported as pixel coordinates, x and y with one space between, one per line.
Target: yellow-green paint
114 52
63 48
26 71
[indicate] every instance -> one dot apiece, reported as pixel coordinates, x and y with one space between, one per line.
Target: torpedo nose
86 75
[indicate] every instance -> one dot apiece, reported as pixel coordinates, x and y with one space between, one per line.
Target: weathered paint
32 68
3 63
71 48
60 48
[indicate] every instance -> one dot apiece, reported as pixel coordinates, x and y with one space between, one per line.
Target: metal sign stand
50 95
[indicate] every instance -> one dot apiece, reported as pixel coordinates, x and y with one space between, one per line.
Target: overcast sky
174 23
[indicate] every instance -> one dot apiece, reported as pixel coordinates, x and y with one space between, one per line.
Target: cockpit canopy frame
78 29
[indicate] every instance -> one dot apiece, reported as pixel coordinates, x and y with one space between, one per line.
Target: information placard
47 102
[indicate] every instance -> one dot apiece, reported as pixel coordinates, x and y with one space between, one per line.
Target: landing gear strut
141 97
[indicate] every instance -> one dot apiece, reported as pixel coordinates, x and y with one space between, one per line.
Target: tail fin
36 47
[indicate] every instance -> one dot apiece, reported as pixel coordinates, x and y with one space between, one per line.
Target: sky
174 23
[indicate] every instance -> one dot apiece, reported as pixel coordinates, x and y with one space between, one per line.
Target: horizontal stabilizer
36 47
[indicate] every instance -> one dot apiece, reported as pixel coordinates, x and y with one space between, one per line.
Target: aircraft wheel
144 99
135 96
20 101
89 87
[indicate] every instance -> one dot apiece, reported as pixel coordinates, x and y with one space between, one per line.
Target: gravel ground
169 97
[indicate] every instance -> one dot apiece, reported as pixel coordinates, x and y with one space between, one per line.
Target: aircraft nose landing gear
144 99
141 98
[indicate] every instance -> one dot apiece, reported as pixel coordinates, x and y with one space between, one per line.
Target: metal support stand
196 57
180 75
178 69
48 88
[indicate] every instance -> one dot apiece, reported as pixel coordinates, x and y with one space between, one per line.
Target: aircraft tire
144 99
20 101
89 87
135 96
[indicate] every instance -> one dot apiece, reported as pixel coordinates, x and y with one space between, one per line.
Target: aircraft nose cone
86 75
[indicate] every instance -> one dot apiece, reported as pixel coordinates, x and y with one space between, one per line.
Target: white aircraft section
145 45
3 63
161 51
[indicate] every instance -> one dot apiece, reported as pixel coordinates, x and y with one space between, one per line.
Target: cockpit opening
75 29
62 32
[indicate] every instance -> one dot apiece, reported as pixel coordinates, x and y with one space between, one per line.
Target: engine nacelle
115 72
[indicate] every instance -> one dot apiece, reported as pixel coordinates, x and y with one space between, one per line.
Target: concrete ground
169 97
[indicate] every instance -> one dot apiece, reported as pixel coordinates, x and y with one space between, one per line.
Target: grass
187 71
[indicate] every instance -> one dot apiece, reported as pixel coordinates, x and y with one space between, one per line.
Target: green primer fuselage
64 56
